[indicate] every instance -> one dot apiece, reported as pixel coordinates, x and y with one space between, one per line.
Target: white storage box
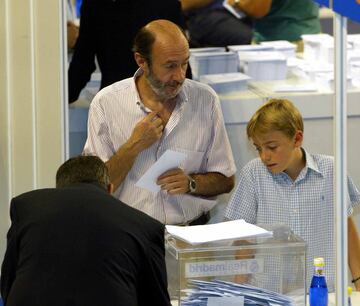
226 82
263 65
212 63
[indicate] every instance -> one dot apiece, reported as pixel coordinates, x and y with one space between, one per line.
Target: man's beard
159 87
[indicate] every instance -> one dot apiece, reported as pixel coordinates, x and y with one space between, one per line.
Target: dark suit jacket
107 30
79 246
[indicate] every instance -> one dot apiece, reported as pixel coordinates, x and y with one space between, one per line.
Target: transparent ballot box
257 271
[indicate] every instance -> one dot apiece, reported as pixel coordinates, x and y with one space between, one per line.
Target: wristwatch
192 185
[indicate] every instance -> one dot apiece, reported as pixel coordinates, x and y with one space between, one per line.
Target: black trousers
218 28
203 219
107 31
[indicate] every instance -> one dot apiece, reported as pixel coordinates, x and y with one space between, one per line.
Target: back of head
275 115
157 30
82 169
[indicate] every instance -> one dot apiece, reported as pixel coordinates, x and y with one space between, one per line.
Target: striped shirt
196 127
306 205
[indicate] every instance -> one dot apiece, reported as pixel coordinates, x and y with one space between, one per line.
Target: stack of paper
219 231
208 49
326 79
285 47
203 292
249 48
355 73
353 39
312 45
225 83
309 69
212 63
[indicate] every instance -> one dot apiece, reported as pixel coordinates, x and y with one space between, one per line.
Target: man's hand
174 181
72 34
147 131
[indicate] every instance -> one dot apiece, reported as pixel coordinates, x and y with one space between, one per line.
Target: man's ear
140 60
110 188
299 137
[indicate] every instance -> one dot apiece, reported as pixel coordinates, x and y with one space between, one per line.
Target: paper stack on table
218 292
285 47
215 232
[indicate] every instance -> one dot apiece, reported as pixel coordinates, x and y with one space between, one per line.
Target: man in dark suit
76 245
107 30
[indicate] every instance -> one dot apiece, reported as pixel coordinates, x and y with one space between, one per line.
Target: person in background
283 19
211 24
132 123
72 28
288 185
77 245
107 31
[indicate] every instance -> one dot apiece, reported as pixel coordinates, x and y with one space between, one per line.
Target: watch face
192 185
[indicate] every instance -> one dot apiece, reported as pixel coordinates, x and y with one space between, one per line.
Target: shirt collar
310 162
310 165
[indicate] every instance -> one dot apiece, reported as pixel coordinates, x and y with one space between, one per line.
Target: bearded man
134 121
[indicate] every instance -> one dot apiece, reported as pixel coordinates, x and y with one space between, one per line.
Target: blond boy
286 184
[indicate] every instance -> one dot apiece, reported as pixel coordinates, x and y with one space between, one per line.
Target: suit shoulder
33 194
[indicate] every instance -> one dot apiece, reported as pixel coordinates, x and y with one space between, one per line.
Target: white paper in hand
169 160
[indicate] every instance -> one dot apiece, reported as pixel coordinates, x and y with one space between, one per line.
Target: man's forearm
255 8
188 5
121 163
212 184
354 252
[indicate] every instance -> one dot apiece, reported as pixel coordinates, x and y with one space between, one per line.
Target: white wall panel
32 124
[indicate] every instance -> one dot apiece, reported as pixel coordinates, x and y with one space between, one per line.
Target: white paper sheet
296 88
169 160
219 231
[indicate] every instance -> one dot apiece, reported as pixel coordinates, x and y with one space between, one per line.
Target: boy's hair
275 115
82 169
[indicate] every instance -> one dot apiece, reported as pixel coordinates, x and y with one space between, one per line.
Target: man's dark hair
143 43
82 169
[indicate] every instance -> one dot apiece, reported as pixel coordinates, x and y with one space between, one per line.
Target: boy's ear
299 137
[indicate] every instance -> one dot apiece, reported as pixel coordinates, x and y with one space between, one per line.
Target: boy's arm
354 252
